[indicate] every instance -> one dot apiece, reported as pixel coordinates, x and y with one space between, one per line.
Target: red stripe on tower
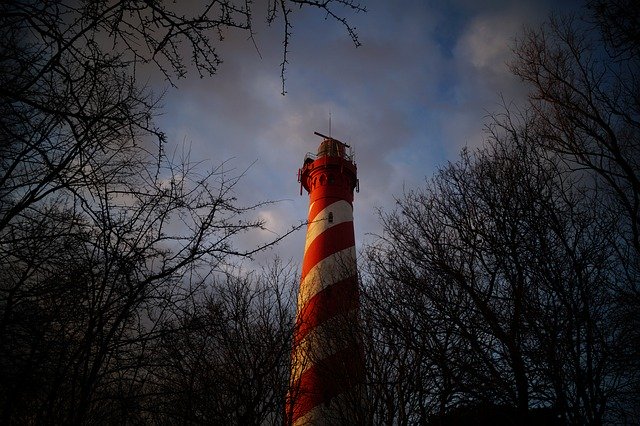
327 362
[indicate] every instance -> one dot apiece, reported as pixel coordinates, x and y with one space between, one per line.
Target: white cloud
487 43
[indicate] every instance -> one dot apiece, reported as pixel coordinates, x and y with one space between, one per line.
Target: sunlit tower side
327 361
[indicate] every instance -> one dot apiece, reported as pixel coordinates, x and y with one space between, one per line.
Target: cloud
417 90
488 42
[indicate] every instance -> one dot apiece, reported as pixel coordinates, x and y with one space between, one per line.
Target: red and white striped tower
327 361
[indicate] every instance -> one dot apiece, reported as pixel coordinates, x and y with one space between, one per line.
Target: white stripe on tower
341 212
333 268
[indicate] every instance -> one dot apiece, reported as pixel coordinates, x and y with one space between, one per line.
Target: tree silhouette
106 242
496 279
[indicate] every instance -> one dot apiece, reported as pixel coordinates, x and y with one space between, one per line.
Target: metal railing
349 154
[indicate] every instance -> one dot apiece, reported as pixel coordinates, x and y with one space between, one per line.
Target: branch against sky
166 34
281 8
584 85
104 237
489 276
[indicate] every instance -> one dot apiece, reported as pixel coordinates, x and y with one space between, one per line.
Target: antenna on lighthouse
329 123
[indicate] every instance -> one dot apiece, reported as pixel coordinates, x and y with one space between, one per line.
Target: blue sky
417 91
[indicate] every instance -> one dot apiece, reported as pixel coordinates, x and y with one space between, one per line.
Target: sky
416 92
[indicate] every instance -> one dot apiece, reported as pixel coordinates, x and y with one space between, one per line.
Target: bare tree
508 284
584 76
499 277
114 274
410 346
226 360
68 80
584 84
102 233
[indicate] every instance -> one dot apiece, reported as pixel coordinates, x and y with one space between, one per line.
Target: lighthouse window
331 180
330 217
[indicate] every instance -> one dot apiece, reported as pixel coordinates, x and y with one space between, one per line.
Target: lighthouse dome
331 148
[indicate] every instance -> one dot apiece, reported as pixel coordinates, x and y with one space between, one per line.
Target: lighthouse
327 364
